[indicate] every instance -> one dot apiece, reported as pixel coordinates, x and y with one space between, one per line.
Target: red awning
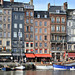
31 49
43 55
27 49
30 55
45 49
71 54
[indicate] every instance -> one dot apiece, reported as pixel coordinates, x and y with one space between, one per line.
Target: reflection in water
37 72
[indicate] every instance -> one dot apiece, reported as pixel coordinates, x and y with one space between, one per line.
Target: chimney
12 1
31 2
65 6
1 2
48 6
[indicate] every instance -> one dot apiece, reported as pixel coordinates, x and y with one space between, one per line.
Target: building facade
5 30
28 27
58 30
71 30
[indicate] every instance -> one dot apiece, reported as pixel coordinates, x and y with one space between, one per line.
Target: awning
30 55
43 55
31 49
71 54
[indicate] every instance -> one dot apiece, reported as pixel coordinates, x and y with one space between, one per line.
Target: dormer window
15 9
38 16
57 11
45 16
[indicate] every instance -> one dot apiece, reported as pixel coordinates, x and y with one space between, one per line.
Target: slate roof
54 8
41 13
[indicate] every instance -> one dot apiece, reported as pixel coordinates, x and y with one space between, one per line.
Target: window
58 20
9 12
52 19
8 43
57 37
40 23
8 34
38 16
20 34
27 44
27 21
57 11
52 28
0 42
36 51
40 30
40 37
0 10
45 23
40 44
4 11
16 17
63 28
4 26
40 51
36 30
15 9
74 47
58 28
15 34
45 16
27 35
0 25
31 13
27 13
4 18
15 25
31 21
4 34
31 29
8 26
0 34
20 9
9 19
45 51
58 48
0 18
21 17
63 20
45 37
45 30
20 25
36 44
31 36
31 44
69 47
52 37
45 44
36 23
36 38
27 28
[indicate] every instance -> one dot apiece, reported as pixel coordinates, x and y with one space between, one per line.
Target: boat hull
6 69
20 68
44 67
61 67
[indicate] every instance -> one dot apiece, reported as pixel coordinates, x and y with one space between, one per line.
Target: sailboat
20 67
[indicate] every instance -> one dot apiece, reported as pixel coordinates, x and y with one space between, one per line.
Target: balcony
58 41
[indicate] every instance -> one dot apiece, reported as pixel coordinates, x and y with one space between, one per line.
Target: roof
54 8
41 13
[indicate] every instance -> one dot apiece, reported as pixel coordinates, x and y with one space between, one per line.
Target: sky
42 4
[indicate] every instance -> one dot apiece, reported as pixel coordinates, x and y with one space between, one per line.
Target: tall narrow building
58 30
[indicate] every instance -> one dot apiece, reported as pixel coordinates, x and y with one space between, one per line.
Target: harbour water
37 72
